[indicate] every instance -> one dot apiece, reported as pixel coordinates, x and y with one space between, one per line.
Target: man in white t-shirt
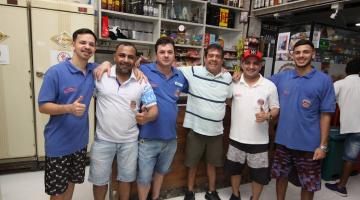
254 103
119 99
347 93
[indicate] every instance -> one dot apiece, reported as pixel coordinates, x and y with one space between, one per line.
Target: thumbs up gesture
141 118
262 115
78 108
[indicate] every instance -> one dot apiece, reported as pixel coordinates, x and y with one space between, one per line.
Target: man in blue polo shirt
307 100
157 139
65 95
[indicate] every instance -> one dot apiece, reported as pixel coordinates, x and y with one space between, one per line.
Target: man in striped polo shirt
209 88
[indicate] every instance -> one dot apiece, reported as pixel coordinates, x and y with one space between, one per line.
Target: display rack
290 6
159 23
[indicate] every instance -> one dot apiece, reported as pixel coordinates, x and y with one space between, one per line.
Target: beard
123 69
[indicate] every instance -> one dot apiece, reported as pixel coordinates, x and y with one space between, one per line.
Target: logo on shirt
260 102
69 90
286 92
178 84
306 103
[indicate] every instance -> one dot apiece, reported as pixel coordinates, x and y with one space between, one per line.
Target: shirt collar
73 69
258 82
207 73
153 68
309 75
113 74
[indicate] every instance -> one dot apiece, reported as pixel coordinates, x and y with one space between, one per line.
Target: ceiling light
357 24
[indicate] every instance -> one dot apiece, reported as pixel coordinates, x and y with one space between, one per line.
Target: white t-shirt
347 93
246 103
115 118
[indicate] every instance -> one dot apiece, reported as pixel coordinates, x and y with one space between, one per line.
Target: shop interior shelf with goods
186 21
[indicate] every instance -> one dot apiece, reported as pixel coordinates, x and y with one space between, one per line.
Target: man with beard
254 103
119 97
209 88
307 100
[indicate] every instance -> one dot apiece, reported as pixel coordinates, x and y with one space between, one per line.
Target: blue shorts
154 156
101 158
352 147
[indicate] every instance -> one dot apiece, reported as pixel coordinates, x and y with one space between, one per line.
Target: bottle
172 14
117 5
104 4
145 7
155 9
151 7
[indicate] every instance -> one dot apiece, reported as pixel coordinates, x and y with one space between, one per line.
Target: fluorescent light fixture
357 24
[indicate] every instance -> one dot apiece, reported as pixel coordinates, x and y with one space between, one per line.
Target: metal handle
40 74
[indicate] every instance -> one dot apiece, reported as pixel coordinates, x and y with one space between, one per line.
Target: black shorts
59 171
255 156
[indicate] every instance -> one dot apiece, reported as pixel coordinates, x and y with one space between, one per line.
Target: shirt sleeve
231 90
148 97
186 71
328 99
337 90
49 90
273 98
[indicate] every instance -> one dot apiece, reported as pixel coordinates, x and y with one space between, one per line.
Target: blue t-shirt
63 84
302 99
167 92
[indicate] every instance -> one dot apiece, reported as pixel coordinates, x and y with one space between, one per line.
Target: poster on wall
4 55
59 56
283 43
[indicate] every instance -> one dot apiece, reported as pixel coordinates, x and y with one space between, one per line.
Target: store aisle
29 186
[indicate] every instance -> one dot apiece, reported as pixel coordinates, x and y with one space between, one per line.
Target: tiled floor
29 186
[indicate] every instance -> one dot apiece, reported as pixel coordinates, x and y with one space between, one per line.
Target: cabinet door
17 137
45 25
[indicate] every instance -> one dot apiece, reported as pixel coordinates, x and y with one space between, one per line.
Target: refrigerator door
53 23
17 135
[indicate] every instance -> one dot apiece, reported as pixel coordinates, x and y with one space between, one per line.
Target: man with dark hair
348 97
157 139
119 97
65 95
254 103
209 87
307 100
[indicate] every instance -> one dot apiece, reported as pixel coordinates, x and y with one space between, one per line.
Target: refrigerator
52 25
17 133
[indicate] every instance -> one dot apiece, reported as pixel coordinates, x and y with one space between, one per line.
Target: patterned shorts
255 156
59 171
308 170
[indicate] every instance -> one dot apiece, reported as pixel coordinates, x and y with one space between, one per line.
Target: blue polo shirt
302 99
63 84
167 92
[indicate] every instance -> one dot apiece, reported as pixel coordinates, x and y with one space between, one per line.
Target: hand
262 115
101 69
236 76
140 76
223 69
141 60
319 154
141 118
77 108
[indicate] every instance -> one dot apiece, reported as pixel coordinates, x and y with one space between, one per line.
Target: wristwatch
324 148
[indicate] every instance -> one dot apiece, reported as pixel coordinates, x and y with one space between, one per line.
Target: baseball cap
252 53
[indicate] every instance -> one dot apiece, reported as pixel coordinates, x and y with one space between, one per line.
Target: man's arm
76 108
148 114
324 131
